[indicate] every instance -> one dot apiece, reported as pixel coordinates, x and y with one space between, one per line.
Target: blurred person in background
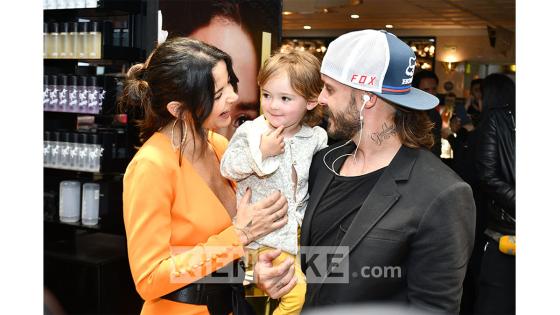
495 169
428 81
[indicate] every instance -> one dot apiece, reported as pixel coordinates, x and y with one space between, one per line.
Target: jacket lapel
379 201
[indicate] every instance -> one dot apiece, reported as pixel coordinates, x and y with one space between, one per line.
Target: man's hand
275 281
272 143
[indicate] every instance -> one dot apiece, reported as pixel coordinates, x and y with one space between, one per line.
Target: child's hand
272 143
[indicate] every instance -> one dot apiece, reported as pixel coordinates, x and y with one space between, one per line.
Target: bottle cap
82 81
82 138
64 27
53 27
65 137
73 80
55 136
94 138
74 27
83 26
54 79
92 81
63 79
94 26
74 137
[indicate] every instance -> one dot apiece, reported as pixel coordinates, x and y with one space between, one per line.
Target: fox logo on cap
409 70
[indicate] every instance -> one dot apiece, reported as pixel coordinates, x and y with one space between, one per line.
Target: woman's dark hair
179 69
498 90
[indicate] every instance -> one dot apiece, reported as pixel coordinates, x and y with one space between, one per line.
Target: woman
178 209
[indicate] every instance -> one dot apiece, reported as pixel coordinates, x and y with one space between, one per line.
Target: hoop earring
183 138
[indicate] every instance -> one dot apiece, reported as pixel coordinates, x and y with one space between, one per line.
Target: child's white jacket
243 163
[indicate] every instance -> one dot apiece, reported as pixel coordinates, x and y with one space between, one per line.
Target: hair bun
136 72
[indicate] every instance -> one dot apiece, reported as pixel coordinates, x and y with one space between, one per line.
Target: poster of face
248 30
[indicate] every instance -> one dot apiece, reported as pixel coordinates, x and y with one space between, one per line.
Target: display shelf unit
86 266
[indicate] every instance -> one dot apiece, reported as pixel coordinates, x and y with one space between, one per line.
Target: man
382 195
428 81
219 23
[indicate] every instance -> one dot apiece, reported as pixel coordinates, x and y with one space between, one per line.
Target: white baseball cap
378 62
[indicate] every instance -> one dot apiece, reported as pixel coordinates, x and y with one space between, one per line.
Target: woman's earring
184 136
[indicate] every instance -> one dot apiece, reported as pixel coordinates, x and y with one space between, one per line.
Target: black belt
220 298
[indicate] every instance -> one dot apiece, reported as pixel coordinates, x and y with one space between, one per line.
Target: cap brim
415 99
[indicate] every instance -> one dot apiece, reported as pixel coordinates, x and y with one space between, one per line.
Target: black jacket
419 217
495 167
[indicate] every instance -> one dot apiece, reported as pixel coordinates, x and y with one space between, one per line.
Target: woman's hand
275 281
257 220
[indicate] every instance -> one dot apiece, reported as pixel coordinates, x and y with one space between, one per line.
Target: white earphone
366 98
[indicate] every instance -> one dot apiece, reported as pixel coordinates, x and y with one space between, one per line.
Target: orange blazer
177 229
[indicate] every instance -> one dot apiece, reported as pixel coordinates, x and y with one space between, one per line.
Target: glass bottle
45 39
83 150
55 149
64 39
65 151
125 38
82 95
53 43
62 93
73 40
74 150
94 154
46 92
47 149
93 95
69 201
94 41
53 92
72 94
82 40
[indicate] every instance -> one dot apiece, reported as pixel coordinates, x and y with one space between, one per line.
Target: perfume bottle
93 96
72 94
74 148
69 201
73 41
90 203
94 154
83 150
55 149
53 42
64 36
53 92
46 92
82 40
45 39
94 40
47 149
62 93
65 151
82 94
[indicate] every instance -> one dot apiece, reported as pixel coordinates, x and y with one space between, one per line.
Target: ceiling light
287 12
307 27
355 16
389 26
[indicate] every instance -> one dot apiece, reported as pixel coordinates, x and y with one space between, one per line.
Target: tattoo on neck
386 132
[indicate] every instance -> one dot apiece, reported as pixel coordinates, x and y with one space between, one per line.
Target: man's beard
345 125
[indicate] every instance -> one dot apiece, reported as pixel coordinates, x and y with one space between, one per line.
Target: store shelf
105 8
97 227
110 55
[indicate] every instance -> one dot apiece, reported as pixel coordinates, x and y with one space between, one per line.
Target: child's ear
311 104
